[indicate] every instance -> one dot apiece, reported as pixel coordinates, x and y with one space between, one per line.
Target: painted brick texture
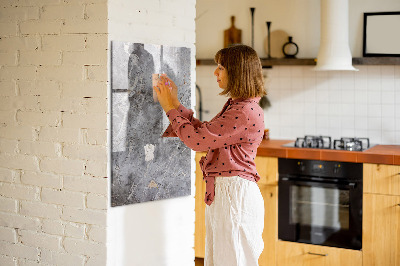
53 132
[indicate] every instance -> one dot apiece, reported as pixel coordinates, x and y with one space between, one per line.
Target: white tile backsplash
388 97
364 103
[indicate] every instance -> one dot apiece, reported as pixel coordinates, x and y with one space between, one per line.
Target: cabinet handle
318 254
398 204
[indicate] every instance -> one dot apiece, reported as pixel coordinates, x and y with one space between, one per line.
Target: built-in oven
320 202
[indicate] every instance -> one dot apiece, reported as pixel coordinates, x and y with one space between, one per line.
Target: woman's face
222 76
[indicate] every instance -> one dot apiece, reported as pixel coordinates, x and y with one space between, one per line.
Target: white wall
299 18
338 104
161 232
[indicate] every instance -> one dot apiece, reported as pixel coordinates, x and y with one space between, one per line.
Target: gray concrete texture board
144 166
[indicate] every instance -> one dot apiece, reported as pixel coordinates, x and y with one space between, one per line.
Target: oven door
321 212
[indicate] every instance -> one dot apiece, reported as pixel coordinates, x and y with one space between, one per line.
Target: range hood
334 51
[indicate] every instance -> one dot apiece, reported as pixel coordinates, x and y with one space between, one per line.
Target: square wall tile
374 97
388 110
374 123
388 84
348 132
374 84
310 108
322 95
388 137
374 110
348 123
322 109
335 95
361 97
361 110
361 123
334 109
297 83
375 136
388 97
335 122
397 72
347 109
322 83
387 72
296 71
348 96
388 124
322 121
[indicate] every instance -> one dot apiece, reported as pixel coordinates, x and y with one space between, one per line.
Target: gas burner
351 144
324 142
321 142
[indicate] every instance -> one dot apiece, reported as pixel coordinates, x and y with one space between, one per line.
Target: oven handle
297 181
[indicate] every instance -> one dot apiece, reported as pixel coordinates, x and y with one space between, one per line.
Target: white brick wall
53 121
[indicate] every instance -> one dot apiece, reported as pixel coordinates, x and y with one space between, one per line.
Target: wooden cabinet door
200 207
381 230
270 233
381 179
297 254
267 168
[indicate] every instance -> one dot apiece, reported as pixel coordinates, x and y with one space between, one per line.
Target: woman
235 207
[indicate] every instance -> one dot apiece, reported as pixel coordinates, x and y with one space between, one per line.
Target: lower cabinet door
297 254
200 207
270 233
381 230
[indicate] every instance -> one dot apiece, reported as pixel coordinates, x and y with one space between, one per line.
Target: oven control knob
302 167
336 169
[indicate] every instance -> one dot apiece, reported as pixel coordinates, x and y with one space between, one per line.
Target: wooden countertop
379 154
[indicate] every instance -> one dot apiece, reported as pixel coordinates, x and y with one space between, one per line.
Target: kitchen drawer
381 179
267 168
298 254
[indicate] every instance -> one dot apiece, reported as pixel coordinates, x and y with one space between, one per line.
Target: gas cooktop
325 142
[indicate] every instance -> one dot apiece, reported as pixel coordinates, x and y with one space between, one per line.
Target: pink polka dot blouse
231 139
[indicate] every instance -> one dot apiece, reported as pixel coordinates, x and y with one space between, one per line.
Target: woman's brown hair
245 78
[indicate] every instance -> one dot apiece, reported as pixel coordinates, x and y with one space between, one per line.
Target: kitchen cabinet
270 233
298 254
381 179
200 207
267 168
381 221
381 215
381 230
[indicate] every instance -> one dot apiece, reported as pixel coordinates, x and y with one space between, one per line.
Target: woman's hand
164 94
174 89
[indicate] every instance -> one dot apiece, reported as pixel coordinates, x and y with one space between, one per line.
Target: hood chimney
334 51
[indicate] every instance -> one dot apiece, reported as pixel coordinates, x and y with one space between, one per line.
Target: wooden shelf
312 61
376 61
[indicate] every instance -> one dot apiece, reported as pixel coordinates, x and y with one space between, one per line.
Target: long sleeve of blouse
186 113
223 131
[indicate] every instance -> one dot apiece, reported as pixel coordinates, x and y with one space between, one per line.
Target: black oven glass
322 207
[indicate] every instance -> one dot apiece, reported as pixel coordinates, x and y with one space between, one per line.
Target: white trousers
234 223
